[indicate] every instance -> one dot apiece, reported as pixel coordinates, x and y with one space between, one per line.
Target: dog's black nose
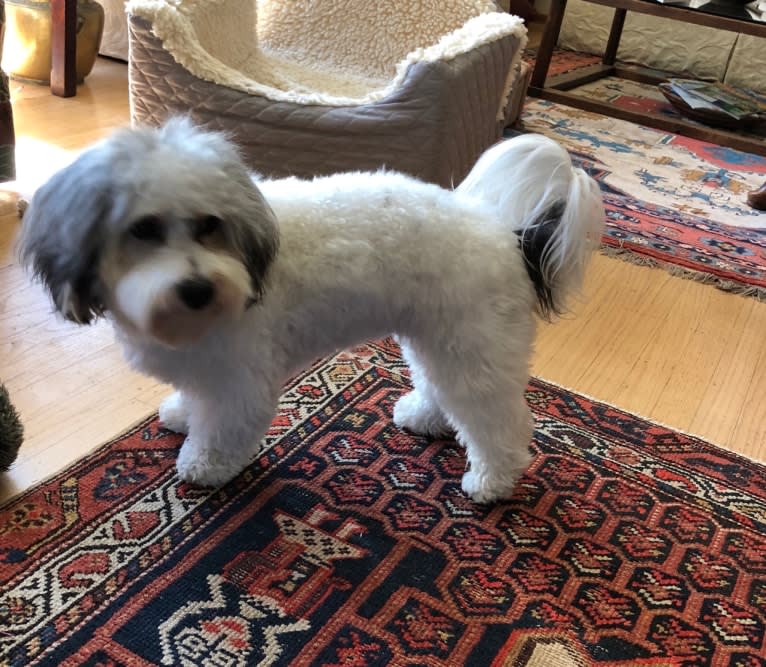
196 293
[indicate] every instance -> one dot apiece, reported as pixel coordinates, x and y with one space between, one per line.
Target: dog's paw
174 415
484 488
414 412
205 467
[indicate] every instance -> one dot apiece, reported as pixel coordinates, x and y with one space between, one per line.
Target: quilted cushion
433 123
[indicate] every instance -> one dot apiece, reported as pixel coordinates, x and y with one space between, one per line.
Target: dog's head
164 228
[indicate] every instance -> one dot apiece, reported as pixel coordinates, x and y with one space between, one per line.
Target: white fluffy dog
224 285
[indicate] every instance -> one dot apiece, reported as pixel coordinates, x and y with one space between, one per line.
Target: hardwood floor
69 383
676 351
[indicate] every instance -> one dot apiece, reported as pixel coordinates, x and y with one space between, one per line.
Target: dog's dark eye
149 229
206 226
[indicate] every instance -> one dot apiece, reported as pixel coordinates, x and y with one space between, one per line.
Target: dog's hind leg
480 388
419 411
496 432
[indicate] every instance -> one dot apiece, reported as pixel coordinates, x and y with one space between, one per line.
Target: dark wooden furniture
7 135
64 48
560 88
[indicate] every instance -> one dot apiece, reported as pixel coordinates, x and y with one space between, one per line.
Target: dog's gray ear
257 240
252 229
61 237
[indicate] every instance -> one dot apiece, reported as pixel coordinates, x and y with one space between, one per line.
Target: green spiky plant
11 430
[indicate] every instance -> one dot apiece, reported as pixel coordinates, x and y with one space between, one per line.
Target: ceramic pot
27 50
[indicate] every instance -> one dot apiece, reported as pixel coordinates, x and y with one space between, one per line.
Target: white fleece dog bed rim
173 24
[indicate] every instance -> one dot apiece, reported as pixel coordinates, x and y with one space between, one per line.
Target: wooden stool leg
64 48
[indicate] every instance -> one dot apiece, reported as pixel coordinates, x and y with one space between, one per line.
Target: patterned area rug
562 60
670 200
644 97
692 177
350 543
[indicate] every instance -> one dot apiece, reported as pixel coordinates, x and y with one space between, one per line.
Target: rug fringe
724 284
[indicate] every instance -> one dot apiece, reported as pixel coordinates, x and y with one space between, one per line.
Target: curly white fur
295 270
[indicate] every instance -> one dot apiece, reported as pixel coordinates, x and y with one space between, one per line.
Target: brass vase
27 49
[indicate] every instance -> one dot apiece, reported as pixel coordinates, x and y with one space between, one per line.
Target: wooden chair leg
64 48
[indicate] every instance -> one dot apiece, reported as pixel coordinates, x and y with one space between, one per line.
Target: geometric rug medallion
349 542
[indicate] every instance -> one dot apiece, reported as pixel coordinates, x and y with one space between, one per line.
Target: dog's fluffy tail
555 209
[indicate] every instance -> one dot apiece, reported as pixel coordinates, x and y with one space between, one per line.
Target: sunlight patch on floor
36 162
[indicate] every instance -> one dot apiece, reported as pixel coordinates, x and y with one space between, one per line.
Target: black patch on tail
533 240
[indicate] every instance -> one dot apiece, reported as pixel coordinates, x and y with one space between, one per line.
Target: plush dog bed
315 87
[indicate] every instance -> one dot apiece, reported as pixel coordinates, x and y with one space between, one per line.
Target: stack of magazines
715 100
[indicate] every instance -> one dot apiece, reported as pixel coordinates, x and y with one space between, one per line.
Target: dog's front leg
225 433
174 413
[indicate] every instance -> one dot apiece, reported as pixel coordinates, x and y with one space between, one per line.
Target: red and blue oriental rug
350 543
671 201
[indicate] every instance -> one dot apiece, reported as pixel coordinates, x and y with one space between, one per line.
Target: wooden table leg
610 53
547 44
64 48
